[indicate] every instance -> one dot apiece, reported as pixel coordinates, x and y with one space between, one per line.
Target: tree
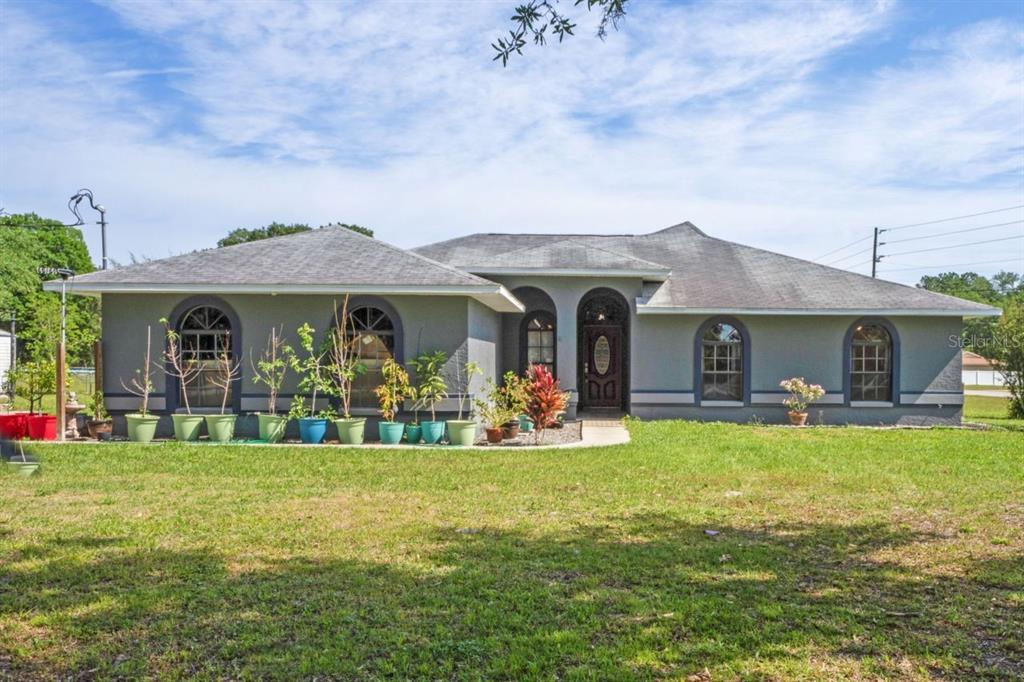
242 235
1008 353
998 291
356 228
27 243
533 20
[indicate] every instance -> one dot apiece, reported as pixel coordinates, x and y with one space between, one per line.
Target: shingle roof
713 274
330 255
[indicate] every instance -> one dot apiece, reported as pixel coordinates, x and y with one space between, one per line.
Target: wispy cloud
729 114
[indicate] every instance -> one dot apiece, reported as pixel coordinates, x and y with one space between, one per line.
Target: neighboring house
979 371
669 324
6 358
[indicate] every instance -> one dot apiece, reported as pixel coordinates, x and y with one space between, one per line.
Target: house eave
647 275
644 309
495 296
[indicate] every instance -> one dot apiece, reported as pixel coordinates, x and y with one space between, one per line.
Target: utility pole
61 348
875 258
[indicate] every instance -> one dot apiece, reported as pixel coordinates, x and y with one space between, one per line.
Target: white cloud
393 116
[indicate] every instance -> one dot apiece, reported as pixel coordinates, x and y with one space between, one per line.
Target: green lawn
990 410
841 553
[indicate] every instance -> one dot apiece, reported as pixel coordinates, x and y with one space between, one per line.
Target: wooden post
61 398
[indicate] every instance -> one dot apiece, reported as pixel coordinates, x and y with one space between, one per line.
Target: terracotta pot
95 428
510 430
797 418
494 435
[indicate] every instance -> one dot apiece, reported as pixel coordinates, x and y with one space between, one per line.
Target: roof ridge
409 252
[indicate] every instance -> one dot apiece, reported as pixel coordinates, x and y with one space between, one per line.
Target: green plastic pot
461 431
141 427
272 427
525 423
186 426
391 432
351 430
433 432
413 433
221 427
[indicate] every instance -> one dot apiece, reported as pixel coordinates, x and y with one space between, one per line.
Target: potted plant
390 395
221 427
344 369
463 431
494 413
33 381
431 389
316 380
142 424
545 399
99 424
801 394
185 370
512 396
270 370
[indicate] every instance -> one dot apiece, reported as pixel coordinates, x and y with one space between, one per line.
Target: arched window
722 365
538 340
373 333
205 335
871 363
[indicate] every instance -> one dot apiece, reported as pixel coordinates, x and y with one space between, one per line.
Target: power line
946 220
943 234
953 246
957 265
852 255
855 241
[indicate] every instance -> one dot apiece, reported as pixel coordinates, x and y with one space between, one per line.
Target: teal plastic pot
461 432
141 428
312 430
272 427
221 427
433 432
391 432
351 430
525 424
186 426
413 433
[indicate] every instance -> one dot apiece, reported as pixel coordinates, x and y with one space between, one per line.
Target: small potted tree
512 397
345 367
546 399
494 412
186 371
315 381
463 431
431 389
390 395
221 427
142 424
33 381
270 370
99 424
801 394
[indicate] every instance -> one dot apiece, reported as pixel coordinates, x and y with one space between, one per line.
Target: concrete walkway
988 392
601 432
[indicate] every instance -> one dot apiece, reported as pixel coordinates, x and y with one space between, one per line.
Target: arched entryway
602 326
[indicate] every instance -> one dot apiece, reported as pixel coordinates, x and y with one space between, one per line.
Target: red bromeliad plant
546 399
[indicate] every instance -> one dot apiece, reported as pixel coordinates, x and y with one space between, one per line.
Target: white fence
5 358
983 377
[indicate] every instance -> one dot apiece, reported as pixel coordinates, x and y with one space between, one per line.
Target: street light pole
73 207
61 349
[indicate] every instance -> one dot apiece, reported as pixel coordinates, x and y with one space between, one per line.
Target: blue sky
790 126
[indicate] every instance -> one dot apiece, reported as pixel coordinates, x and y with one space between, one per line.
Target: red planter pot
13 426
42 427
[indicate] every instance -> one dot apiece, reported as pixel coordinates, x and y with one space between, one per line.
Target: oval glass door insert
602 355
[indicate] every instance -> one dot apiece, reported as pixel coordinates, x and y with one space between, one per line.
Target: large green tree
29 242
979 332
275 229
538 20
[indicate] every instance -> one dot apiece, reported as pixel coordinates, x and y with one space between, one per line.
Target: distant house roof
709 275
329 260
974 361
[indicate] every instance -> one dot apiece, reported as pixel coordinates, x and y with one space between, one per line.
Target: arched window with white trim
205 335
871 364
373 332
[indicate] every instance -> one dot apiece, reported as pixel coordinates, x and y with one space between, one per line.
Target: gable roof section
710 276
328 260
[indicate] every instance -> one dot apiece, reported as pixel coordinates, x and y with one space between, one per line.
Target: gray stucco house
671 324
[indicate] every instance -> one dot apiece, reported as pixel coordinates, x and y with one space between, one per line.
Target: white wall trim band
931 398
777 398
661 398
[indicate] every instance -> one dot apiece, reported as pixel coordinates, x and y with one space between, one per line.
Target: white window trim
721 403
871 403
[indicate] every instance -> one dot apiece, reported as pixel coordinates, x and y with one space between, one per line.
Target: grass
990 410
840 553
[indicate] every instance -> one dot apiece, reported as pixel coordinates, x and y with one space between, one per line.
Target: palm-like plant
431 387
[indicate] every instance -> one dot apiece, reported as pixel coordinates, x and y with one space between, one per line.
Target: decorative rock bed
571 432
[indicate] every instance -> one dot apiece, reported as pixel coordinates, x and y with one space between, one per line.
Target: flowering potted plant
313 368
801 394
463 431
546 399
185 370
390 395
431 389
222 426
270 370
344 369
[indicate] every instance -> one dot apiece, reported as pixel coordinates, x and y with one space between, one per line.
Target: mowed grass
990 410
839 554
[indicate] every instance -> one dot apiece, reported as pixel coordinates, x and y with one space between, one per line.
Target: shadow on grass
644 596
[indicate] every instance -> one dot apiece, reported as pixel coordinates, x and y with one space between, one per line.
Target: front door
602 366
